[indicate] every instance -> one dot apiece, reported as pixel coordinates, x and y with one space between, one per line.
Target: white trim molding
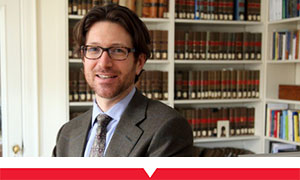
29 78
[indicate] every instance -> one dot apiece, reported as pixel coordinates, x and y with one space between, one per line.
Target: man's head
114 45
120 15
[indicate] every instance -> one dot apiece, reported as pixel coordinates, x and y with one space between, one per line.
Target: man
114 46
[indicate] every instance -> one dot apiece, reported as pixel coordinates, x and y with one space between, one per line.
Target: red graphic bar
139 173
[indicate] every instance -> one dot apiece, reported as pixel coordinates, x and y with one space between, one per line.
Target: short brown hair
116 14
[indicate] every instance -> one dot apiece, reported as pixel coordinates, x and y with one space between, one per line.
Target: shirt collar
116 111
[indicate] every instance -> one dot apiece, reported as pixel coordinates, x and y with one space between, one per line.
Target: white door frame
19 93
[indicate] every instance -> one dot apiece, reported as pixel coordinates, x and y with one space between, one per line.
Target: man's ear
140 63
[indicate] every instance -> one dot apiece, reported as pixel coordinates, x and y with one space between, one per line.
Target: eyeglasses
115 53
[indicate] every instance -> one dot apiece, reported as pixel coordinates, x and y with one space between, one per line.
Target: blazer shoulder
162 109
78 121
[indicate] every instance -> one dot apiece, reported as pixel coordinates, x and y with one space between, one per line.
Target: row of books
154 84
283 124
79 90
218 9
159 44
285 45
204 120
217 84
217 45
143 8
282 9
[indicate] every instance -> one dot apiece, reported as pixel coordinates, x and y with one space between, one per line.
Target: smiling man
114 46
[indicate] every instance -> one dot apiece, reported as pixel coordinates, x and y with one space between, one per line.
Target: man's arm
173 138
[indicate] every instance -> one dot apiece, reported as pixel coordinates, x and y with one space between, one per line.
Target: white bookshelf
217 62
224 139
254 143
280 72
282 141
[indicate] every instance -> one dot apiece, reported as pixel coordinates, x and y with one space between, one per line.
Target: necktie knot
103 120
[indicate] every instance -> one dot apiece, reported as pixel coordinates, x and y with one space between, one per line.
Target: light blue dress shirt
115 113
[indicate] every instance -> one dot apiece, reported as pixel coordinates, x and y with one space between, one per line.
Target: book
178 85
250 121
165 85
146 8
192 84
153 8
82 86
139 8
179 44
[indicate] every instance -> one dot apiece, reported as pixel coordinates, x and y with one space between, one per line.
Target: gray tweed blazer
146 128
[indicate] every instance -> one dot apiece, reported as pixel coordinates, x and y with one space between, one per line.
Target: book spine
79 7
232 122
89 95
258 42
157 37
164 45
203 45
89 5
149 75
177 9
70 5
239 46
199 85
146 8
190 49
131 5
75 7
178 85
165 86
192 84
153 9
185 88
84 7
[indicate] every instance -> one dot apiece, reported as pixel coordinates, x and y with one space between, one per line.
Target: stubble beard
114 90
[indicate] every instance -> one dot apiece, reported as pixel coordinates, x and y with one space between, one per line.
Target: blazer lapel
127 132
79 134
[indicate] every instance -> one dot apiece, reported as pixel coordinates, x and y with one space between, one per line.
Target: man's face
109 78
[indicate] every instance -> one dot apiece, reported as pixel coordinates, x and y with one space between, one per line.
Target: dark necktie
98 147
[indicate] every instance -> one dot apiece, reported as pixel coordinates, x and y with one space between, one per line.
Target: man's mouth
105 76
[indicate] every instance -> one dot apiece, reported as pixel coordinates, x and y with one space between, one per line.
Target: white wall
52 70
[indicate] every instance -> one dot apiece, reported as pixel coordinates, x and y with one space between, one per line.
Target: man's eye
118 50
93 49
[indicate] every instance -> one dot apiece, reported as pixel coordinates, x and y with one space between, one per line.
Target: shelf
288 20
283 61
155 20
217 62
282 101
213 101
77 17
150 61
223 139
81 104
192 21
282 141
75 61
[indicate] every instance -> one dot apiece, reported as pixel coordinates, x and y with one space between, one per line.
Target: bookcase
283 69
254 142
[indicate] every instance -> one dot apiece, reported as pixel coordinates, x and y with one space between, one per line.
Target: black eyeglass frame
83 49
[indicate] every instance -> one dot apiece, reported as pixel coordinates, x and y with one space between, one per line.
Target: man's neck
106 103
